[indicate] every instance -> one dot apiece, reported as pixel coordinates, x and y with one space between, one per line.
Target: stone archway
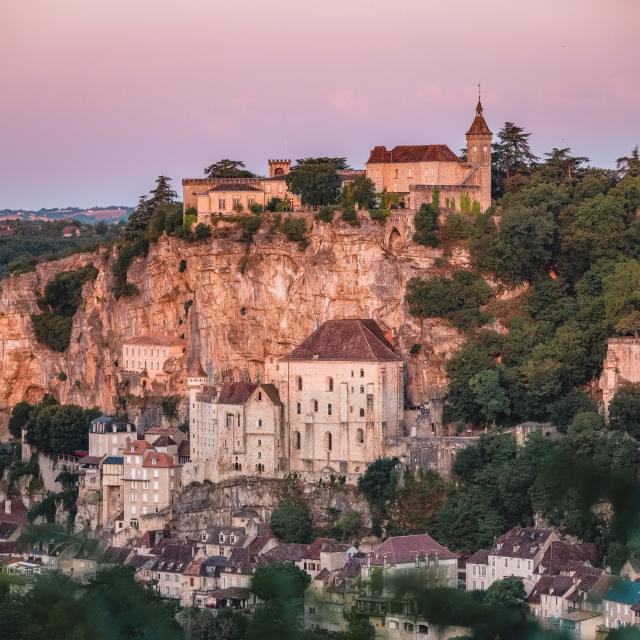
394 240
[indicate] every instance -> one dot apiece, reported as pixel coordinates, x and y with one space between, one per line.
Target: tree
359 628
622 297
338 163
624 410
364 192
512 153
426 221
561 166
290 522
505 593
629 166
202 231
19 418
228 169
490 394
205 624
317 183
283 580
563 410
140 219
378 483
523 246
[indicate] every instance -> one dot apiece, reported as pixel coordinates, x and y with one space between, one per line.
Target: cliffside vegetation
59 303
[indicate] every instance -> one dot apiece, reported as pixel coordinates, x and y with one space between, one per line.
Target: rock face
236 305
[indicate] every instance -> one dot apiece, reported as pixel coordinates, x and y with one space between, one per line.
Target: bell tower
479 154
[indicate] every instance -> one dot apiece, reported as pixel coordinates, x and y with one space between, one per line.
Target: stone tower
279 167
479 155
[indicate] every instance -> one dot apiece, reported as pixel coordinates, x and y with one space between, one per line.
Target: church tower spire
479 153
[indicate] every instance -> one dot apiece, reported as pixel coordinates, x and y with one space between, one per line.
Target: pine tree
629 166
512 153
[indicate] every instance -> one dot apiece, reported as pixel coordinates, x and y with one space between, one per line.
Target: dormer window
259 395
154 460
204 536
232 538
221 537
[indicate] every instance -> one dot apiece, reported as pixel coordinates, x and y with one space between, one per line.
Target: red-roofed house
415 552
342 389
413 170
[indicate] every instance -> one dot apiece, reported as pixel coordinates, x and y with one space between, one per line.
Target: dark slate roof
290 552
562 556
234 593
271 392
324 545
403 549
413 153
174 558
234 187
208 394
479 557
137 560
164 441
117 555
520 542
183 449
18 512
7 529
207 567
357 340
236 392
114 460
239 533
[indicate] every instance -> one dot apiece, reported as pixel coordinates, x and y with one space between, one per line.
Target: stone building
415 171
622 365
148 354
109 436
235 429
343 393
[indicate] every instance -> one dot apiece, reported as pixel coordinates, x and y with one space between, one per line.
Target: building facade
148 354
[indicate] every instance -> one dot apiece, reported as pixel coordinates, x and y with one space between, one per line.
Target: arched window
362 373
314 406
329 409
296 438
299 382
361 388
259 395
329 384
362 413
328 441
359 436
259 443
298 408
259 455
259 422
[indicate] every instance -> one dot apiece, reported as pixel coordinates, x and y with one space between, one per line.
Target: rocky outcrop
236 305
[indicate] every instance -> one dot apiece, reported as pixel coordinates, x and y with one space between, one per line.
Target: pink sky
100 96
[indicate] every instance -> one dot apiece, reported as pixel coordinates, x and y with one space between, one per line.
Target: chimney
7 506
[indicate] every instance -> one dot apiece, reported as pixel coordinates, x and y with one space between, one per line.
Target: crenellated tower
479 154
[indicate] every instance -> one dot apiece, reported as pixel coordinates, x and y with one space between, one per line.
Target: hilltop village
198 476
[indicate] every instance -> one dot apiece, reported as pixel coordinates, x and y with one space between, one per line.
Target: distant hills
111 214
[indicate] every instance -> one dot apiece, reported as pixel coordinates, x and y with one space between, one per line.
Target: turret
279 167
479 154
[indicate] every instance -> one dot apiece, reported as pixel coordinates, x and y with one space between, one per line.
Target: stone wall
622 364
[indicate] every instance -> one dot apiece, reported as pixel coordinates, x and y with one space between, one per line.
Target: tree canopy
226 168
315 180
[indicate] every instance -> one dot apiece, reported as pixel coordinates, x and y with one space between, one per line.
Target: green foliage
505 593
205 624
61 299
359 628
249 226
364 192
19 418
379 215
563 410
55 429
283 580
315 181
291 522
170 407
490 395
202 232
126 254
348 526
624 410
426 221
350 216
325 214
621 298
415 349
228 169
294 229
458 299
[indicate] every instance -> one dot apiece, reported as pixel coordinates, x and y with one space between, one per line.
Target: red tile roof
413 153
403 549
162 460
357 340
324 545
479 557
520 542
137 447
155 339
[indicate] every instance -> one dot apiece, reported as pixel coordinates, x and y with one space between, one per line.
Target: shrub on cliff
426 221
458 299
291 522
294 229
62 296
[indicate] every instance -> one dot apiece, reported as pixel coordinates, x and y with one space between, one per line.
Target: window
329 409
298 408
259 443
259 455
259 395
328 441
236 203
423 628
329 384
296 438
408 626
361 388
393 624
299 382
362 373
229 420
314 404
221 204
312 610
362 413
360 440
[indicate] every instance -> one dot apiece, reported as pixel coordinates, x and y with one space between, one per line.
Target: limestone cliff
236 305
